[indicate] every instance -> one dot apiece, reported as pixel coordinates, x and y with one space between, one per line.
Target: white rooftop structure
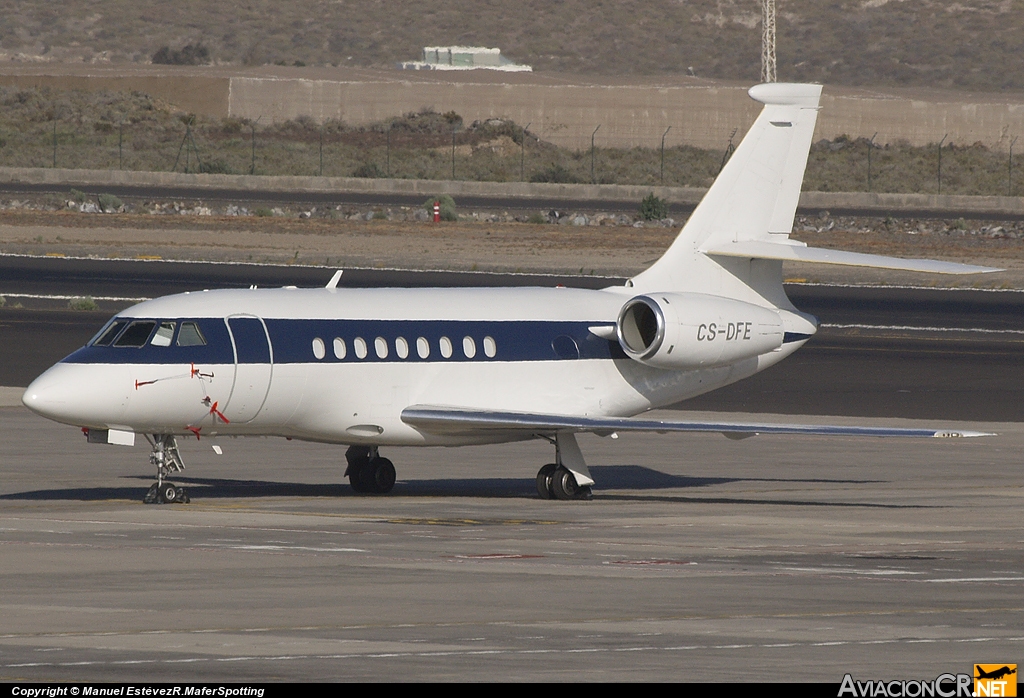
463 58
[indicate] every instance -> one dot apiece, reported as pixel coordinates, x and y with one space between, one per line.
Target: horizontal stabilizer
798 252
454 420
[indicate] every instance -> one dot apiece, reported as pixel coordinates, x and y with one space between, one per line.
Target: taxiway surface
790 558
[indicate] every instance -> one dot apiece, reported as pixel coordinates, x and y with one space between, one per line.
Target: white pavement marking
980 330
514 652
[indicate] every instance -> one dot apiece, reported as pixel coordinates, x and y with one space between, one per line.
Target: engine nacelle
693 330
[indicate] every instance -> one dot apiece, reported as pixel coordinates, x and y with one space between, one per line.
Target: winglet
333 283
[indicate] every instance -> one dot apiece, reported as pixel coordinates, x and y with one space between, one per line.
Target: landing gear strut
367 471
561 479
167 460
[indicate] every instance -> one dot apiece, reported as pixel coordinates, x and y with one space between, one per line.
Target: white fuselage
340 365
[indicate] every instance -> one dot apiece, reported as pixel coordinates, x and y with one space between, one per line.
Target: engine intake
694 330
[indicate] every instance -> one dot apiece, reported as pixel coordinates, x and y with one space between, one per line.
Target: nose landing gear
167 460
368 472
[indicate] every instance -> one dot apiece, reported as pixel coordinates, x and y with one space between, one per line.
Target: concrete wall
628 115
923 117
562 109
699 114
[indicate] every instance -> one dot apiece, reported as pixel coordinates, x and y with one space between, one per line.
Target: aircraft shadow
631 478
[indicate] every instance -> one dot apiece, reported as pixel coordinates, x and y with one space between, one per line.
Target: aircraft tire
381 473
544 477
563 484
359 476
169 493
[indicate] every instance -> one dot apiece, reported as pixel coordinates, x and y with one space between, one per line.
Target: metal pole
768 62
522 154
321 150
728 150
1009 173
453 152
663 153
177 157
940 161
389 152
188 144
871 146
252 168
120 143
195 149
55 142
592 179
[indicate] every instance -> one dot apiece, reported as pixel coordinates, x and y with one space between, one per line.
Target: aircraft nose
81 395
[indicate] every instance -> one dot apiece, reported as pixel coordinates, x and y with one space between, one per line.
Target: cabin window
319 350
468 347
339 348
136 334
107 336
446 347
422 347
380 345
402 348
190 336
163 335
359 344
490 347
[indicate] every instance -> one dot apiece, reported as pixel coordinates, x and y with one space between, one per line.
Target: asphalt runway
699 559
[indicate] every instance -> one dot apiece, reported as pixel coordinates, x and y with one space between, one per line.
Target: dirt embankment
492 243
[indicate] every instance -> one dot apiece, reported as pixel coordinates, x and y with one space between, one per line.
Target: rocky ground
401 237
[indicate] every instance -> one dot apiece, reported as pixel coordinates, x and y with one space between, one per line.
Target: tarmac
699 559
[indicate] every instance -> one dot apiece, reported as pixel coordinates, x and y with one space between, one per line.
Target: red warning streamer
217 413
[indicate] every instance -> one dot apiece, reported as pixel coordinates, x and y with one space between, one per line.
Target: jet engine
693 330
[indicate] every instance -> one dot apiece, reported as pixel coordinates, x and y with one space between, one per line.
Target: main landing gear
568 477
167 460
367 471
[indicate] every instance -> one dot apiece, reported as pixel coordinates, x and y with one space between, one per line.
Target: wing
456 420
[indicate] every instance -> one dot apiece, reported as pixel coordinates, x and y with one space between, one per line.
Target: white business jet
453 366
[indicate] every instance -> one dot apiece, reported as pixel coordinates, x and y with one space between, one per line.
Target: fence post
252 167
663 153
1009 173
522 154
593 179
940 161
453 151
871 146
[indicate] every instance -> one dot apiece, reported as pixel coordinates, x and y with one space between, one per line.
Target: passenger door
254 368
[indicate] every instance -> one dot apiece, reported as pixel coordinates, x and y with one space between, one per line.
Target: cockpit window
163 335
136 334
190 336
106 336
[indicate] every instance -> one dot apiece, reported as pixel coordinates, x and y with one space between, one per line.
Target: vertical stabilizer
754 198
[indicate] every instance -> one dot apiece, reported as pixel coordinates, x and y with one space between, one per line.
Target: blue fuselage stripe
292 341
